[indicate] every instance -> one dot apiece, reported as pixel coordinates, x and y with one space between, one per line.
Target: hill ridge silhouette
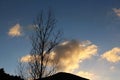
63 76
57 76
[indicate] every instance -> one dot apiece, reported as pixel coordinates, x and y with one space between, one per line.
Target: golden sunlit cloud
112 55
69 54
29 58
26 58
15 31
117 11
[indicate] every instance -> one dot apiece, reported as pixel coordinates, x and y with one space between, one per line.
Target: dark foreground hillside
63 76
5 76
58 76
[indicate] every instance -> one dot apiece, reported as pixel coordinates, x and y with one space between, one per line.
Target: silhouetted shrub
5 76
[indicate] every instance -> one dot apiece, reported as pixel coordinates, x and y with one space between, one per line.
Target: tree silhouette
44 39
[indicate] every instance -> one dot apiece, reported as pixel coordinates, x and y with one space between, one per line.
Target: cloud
112 55
69 54
15 31
112 68
117 11
87 75
26 58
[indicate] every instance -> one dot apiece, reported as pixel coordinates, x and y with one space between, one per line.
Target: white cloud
117 11
70 53
87 75
112 68
112 55
15 31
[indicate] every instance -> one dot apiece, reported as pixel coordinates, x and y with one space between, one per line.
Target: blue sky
97 21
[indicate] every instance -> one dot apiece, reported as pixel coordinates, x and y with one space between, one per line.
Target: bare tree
21 70
44 39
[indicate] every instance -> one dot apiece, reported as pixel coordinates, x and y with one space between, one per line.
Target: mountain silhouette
63 76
